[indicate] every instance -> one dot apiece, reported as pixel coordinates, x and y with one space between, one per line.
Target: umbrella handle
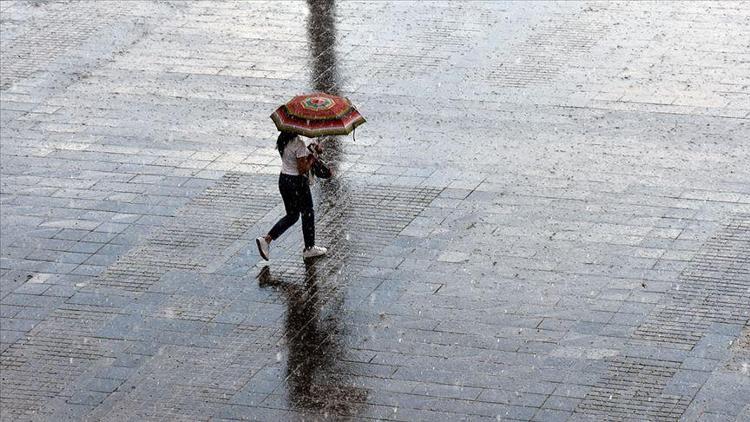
354 135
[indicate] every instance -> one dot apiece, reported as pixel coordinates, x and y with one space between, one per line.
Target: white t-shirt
294 149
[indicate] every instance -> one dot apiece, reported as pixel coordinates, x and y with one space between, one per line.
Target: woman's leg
282 225
290 193
308 216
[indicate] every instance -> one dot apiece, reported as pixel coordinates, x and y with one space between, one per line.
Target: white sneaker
262 247
313 252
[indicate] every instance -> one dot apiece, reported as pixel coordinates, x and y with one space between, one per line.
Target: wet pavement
546 216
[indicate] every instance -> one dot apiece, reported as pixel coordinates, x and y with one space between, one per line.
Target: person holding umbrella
296 161
311 115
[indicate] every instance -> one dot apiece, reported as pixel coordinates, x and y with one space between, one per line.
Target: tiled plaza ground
546 216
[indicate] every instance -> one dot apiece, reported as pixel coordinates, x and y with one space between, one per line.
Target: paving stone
18 324
561 403
104 385
60 290
85 247
89 398
551 415
31 288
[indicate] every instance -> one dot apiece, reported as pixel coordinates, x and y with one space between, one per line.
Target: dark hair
283 140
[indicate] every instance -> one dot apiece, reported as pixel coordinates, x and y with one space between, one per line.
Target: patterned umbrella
317 114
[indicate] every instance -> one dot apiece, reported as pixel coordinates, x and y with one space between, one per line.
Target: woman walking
294 187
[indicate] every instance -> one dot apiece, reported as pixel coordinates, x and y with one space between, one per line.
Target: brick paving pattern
713 289
544 218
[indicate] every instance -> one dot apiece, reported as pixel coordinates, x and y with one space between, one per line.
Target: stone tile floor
546 217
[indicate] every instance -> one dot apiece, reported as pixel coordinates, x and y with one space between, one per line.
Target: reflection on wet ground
321 34
314 351
324 73
355 221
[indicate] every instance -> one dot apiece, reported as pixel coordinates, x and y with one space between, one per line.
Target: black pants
295 191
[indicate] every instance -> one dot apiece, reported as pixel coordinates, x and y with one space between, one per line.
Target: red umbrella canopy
317 114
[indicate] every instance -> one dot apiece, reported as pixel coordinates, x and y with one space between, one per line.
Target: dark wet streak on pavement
312 327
